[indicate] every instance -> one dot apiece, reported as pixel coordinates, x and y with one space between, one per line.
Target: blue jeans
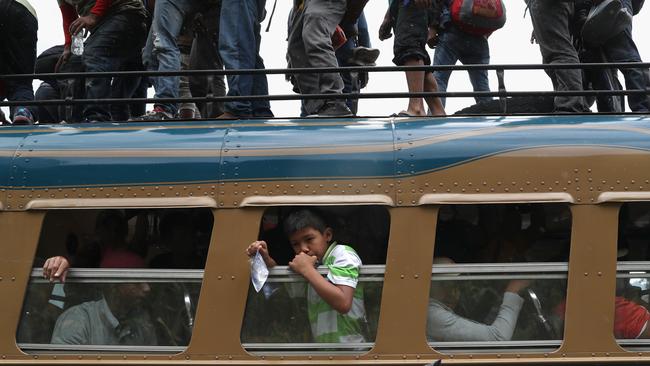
112 46
622 48
239 46
161 52
455 45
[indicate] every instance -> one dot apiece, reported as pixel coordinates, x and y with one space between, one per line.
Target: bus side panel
19 233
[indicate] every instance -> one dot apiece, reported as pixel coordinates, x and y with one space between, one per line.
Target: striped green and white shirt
327 324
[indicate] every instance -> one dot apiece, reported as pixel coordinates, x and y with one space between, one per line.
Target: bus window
287 314
102 307
631 316
499 277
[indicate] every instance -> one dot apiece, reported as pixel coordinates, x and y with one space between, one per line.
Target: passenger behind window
334 304
444 325
109 250
177 232
118 318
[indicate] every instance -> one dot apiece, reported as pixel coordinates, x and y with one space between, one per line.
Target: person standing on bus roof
117 32
161 53
455 44
18 36
334 303
411 20
551 20
311 26
239 47
621 48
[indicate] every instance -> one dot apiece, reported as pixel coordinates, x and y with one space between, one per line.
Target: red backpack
478 17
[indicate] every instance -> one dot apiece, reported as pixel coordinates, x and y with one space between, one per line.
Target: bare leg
434 103
415 82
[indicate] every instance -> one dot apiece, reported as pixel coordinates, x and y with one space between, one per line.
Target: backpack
478 17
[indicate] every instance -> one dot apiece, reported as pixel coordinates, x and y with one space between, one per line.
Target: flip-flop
402 114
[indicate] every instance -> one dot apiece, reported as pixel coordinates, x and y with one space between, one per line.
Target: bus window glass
287 313
100 306
631 316
499 277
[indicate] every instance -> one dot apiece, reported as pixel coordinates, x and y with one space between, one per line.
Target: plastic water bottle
78 44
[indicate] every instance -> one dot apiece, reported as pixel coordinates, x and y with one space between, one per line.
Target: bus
445 212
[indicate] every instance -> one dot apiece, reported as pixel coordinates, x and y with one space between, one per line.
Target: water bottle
78 44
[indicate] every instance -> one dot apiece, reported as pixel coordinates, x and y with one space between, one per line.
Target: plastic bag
259 272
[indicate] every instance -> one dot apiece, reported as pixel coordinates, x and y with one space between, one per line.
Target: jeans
622 48
18 29
551 25
239 46
161 52
113 45
455 45
310 45
205 56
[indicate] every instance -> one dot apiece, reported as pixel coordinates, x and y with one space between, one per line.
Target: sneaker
333 110
22 116
364 56
157 114
3 119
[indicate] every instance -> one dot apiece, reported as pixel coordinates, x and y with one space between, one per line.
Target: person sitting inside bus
118 318
335 303
444 325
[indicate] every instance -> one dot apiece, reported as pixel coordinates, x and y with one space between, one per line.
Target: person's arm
339 297
56 268
69 15
445 325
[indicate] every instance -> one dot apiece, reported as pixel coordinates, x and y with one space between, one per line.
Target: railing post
502 90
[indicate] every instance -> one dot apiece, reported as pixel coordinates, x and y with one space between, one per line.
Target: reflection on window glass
634 232
521 299
98 303
126 313
631 314
313 251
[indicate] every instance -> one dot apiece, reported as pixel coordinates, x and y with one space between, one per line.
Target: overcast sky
510 45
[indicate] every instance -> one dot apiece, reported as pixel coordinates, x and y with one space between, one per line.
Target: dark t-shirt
84 7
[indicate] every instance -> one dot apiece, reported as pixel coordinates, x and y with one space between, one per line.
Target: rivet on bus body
542 183
13 278
232 277
575 170
518 356
448 190
0 278
81 357
417 357
507 189
462 190
36 357
330 358
579 200
451 356
498 356
485 183
586 273
281 357
593 354
607 354
471 356
187 357
455 184
99 357
413 202
3 357
545 354
404 357
600 273
492 189
375 357
441 184
640 353
416 276
216 357
401 277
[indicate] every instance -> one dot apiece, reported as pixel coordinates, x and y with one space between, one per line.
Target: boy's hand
261 247
56 269
302 263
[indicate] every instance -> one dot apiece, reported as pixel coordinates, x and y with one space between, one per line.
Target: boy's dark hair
302 219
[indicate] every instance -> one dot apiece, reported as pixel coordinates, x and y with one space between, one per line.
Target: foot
22 116
3 119
187 113
228 115
333 110
157 114
364 56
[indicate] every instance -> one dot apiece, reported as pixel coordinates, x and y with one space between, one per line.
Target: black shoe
333 110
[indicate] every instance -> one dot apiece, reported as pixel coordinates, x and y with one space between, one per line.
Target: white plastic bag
259 272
